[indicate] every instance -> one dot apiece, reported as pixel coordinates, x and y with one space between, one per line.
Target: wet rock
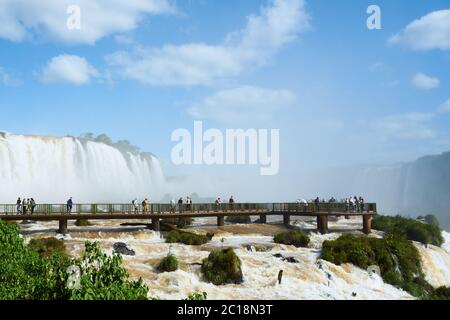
286 259
122 249
249 248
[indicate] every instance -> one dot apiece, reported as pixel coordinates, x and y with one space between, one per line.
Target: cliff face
417 188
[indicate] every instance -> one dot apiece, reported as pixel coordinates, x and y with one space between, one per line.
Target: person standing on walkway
69 205
32 205
135 205
19 206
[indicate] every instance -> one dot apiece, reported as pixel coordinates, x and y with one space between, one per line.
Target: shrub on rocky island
187 238
295 238
168 264
222 267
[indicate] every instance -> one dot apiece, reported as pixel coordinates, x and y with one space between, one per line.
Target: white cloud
242 103
445 107
431 31
424 82
409 126
26 19
202 64
7 79
68 69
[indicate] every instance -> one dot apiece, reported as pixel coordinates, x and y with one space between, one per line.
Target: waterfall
51 169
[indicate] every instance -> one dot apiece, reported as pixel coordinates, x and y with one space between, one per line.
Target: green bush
442 293
197 296
27 275
83 223
239 219
187 238
426 233
181 223
295 238
168 264
48 246
222 267
397 258
104 278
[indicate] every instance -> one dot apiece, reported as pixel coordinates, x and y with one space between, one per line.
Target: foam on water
310 278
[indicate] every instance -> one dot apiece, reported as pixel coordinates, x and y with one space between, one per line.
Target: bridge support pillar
220 221
155 223
62 226
263 218
286 219
322 224
367 224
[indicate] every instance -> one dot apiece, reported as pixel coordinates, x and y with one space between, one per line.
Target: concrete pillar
62 226
263 218
220 221
367 224
347 217
155 222
286 219
322 224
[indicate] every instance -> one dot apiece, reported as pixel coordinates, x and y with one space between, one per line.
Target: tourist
218 202
145 206
69 205
180 205
316 203
19 206
32 205
361 203
231 203
135 205
25 206
188 203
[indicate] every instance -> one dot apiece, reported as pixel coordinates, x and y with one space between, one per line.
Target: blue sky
332 86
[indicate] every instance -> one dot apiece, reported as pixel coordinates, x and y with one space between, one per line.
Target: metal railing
160 208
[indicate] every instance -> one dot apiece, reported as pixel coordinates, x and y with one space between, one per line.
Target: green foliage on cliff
426 233
397 258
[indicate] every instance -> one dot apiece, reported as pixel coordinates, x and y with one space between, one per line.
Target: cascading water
51 169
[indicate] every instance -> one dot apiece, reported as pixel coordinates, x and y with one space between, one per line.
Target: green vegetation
239 219
442 293
187 238
296 238
426 233
168 264
397 258
222 267
82 223
104 278
48 246
198 296
181 223
40 272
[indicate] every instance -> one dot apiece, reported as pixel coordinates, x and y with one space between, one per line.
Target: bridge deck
156 212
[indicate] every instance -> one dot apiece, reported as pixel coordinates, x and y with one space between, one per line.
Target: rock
291 260
249 248
286 259
122 249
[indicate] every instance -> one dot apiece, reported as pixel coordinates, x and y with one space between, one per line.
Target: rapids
310 278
